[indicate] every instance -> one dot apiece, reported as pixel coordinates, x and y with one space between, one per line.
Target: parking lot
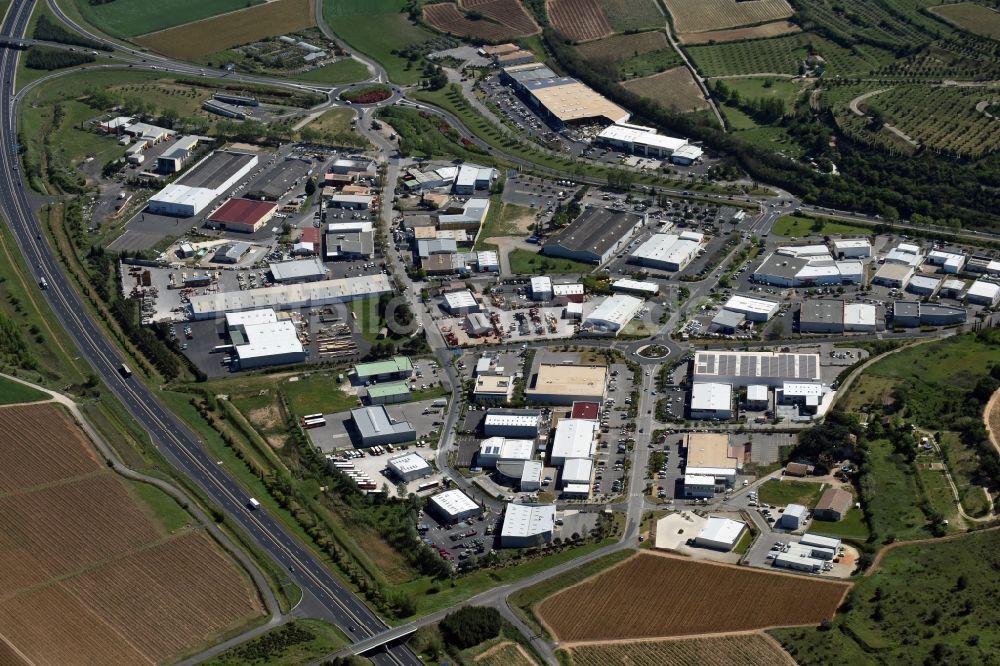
338 433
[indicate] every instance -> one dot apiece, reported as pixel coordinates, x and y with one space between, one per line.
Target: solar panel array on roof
748 365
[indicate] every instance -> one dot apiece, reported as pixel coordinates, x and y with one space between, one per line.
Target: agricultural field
93 572
884 23
675 88
706 15
446 17
790 491
381 30
202 38
506 12
782 55
773 29
12 392
936 598
128 18
622 47
579 20
744 649
946 119
969 16
654 595
630 15
787 90
504 653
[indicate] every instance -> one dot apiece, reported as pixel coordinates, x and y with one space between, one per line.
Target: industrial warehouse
594 236
745 368
205 182
668 252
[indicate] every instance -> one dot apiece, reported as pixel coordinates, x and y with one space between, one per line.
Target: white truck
254 504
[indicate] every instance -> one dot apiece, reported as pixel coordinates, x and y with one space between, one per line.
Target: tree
310 187
470 625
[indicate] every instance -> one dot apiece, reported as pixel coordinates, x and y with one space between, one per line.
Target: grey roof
350 242
374 421
906 309
596 230
297 269
728 319
216 169
533 74
782 266
822 311
426 248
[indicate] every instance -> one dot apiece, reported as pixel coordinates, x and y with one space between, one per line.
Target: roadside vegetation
296 642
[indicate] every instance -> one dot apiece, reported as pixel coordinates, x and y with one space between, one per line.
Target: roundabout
653 352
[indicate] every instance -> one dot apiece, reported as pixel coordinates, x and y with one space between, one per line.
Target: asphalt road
323 595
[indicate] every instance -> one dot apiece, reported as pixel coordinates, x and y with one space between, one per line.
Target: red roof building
586 410
246 215
311 235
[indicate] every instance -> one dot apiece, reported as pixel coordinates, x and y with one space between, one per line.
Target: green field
421 135
800 226
523 262
128 18
380 30
347 70
295 642
781 55
170 514
933 603
786 491
12 392
767 87
647 64
851 527
963 464
895 496
317 394
626 15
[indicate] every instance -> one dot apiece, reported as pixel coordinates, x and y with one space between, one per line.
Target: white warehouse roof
614 312
577 470
644 136
574 438
710 396
409 463
666 248
983 290
722 531
457 300
541 284
525 520
525 420
309 294
752 306
624 284
757 393
842 244
859 314
454 502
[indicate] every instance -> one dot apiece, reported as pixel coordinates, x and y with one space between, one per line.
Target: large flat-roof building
374 427
172 160
454 506
721 534
397 367
744 368
292 296
905 254
202 184
923 285
895 275
461 302
711 401
836 316
668 252
574 438
643 288
493 388
496 449
852 248
243 215
793 270
754 309
709 454
559 384
349 240
298 270
639 140
526 525
577 471
911 314
519 423
594 236
612 315
982 292
472 177
261 339
565 100
409 466
389 394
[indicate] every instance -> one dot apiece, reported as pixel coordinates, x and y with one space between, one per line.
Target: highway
323 595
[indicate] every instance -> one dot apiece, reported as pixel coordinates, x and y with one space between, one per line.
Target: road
323 595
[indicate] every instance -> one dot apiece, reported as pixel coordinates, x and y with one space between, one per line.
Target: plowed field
446 17
580 20
675 88
774 29
652 595
202 38
87 574
743 649
705 15
508 12
621 47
